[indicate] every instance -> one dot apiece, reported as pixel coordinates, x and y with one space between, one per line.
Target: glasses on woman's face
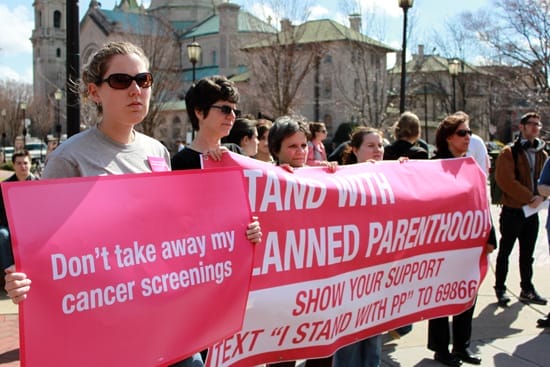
463 133
123 81
226 110
534 123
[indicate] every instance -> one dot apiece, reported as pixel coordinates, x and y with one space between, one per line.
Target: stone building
434 90
346 80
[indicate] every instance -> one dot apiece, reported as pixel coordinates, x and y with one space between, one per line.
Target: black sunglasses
226 110
463 133
123 81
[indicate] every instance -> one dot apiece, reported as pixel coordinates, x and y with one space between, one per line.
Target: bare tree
12 94
280 63
163 50
516 32
362 83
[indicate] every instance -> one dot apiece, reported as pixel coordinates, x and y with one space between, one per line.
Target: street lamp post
405 5
454 64
3 128
194 55
23 107
57 95
426 113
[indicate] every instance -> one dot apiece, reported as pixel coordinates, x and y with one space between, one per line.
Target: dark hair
21 153
408 126
282 128
527 116
447 128
207 91
348 157
241 127
315 127
263 126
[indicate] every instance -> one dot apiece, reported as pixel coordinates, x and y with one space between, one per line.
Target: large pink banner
354 253
131 270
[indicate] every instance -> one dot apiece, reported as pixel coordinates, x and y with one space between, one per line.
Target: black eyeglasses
463 133
226 110
123 81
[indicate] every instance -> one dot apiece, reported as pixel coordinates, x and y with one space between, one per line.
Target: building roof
246 23
323 30
127 22
128 17
431 64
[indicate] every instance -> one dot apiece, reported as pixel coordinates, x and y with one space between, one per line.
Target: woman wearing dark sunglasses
212 109
116 80
452 141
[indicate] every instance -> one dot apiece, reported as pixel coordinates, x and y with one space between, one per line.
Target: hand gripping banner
130 270
354 253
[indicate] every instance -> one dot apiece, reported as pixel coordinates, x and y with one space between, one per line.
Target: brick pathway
9 340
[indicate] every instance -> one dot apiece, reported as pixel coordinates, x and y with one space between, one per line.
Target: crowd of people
117 81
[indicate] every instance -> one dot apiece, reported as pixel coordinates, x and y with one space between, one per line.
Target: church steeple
49 48
130 6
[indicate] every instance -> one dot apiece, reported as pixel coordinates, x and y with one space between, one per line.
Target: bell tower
49 48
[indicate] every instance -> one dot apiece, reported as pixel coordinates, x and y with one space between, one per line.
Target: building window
328 59
58 52
57 19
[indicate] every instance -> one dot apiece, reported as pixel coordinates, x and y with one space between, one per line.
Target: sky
17 22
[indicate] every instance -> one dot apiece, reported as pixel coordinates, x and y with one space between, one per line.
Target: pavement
503 337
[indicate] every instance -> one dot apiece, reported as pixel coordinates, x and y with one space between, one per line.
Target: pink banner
354 253
130 270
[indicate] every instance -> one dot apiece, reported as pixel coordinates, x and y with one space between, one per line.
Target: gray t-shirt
92 153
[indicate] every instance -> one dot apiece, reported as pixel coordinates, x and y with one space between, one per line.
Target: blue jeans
193 361
6 255
364 353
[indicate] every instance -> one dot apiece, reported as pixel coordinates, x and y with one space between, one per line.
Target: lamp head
194 52
454 65
405 4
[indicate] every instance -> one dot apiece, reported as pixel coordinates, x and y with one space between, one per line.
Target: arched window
57 19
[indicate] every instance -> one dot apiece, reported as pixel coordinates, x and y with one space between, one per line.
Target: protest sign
354 253
130 270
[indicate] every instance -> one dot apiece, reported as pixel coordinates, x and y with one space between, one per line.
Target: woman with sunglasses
316 155
212 109
452 141
116 80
